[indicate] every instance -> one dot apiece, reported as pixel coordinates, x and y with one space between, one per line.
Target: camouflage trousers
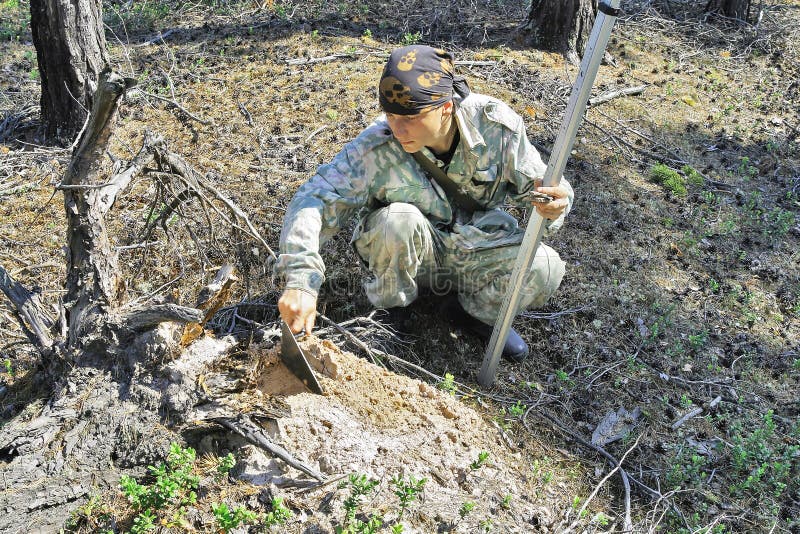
403 250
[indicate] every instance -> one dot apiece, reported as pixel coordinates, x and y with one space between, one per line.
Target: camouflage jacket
493 162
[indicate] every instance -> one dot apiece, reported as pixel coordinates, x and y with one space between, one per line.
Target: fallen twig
554 315
157 38
174 103
323 59
625 477
693 413
243 426
611 95
628 521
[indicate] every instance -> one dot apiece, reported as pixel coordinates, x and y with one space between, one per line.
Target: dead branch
323 59
92 273
142 318
34 321
626 479
194 182
611 95
243 426
628 521
210 300
695 412
174 103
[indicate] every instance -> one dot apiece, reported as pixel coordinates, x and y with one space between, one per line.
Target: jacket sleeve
318 210
527 166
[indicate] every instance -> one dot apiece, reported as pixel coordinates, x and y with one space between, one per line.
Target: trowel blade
295 360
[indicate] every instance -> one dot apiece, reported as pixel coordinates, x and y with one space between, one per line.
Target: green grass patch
669 179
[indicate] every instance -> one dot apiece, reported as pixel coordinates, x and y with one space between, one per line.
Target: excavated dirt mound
374 422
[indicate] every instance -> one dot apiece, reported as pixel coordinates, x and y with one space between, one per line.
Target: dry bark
561 25
71 52
735 9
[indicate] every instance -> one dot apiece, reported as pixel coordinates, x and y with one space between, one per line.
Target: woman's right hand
298 309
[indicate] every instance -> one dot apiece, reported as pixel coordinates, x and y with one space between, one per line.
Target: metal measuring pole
601 31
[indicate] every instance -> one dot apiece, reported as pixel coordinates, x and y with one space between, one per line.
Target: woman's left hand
552 210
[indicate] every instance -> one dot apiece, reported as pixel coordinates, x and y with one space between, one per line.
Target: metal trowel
295 360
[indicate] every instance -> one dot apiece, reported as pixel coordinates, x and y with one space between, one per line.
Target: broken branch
611 95
33 320
245 427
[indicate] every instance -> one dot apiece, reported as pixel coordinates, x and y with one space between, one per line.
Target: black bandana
417 78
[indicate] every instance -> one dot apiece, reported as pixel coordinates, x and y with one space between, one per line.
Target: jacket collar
464 119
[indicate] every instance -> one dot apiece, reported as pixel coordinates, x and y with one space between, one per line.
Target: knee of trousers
397 224
544 277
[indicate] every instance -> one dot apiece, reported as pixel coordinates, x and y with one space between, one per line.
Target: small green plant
332 114
483 456
410 38
713 285
687 471
746 169
93 514
226 463
601 519
15 20
518 409
692 176
699 340
763 460
315 34
360 486
367 34
138 16
174 485
448 384
506 502
407 490
9 368
669 179
779 221
466 508
562 376
143 522
228 518
279 514
686 402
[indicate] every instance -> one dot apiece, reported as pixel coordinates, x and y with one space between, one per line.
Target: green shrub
692 176
174 485
228 518
669 179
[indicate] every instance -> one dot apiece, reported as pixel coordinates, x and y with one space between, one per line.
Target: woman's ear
447 108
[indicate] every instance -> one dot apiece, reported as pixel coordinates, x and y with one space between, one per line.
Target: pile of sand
374 422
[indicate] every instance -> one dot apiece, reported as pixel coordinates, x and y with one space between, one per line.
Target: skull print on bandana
417 78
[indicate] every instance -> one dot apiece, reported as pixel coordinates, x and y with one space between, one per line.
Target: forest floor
679 312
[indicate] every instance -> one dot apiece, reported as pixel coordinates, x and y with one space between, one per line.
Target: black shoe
397 319
515 349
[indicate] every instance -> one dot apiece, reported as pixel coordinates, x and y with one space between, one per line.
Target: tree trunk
735 9
71 52
113 373
561 25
